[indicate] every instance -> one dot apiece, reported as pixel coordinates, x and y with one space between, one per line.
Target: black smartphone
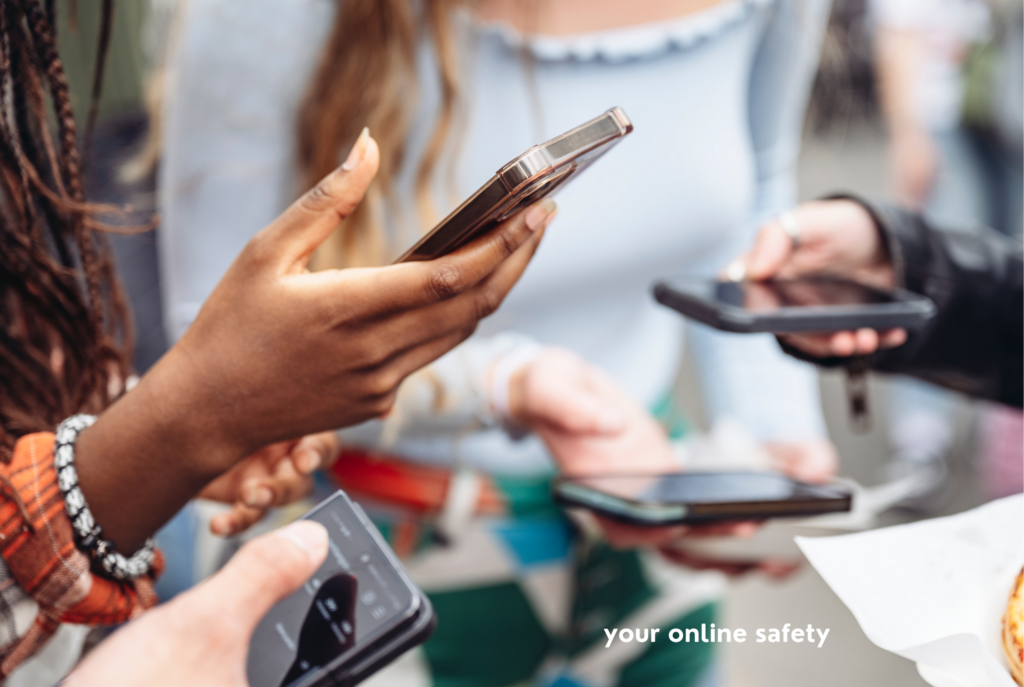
539 172
699 498
798 305
355 615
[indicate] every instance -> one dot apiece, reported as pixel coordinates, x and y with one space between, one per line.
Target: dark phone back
539 172
800 305
356 614
379 656
698 497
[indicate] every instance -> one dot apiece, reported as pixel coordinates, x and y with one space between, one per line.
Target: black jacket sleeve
975 342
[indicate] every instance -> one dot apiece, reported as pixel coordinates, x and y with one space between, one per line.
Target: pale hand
592 427
588 423
838 238
201 638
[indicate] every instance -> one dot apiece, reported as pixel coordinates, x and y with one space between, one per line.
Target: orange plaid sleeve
38 550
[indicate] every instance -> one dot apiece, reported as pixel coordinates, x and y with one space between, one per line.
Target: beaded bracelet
88 534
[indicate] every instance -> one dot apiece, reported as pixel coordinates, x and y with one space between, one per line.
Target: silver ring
787 220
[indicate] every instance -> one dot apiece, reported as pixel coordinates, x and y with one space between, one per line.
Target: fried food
1013 630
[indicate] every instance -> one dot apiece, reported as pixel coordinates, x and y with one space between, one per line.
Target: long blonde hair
367 77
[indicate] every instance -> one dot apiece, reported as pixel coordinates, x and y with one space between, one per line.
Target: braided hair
64 325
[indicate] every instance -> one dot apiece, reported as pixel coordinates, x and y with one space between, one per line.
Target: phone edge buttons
531 165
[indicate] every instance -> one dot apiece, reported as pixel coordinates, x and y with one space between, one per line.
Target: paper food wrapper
933 591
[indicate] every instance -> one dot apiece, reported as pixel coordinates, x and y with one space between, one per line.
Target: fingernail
551 218
539 213
220 528
309 536
307 460
258 497
355 156
736 271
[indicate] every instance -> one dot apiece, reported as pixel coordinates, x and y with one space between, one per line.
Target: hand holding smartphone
793 305
698 498
538 173
834 239
356 614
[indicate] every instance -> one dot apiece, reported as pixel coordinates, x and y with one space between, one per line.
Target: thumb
581 411
266 570
770 254
292 237
315 451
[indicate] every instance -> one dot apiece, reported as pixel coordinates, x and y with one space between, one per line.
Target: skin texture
275 475
278 352
563 17
837 238
587 422
201 638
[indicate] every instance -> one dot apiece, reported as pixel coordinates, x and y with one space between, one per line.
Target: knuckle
487 302
445 282
382 384
390 381
259 250
368 353
378 356
383 404
324 196
507 243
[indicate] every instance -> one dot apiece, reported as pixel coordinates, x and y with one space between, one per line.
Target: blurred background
936 452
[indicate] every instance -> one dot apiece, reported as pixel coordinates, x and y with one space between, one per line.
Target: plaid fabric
44 579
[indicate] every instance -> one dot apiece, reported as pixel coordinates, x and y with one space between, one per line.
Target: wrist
152 451
879 264
860 216
517 394
507 384
186 409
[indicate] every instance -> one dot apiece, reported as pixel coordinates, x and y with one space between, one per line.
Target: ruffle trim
631 42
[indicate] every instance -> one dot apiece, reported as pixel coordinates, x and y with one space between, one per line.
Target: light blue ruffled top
641 41
717 100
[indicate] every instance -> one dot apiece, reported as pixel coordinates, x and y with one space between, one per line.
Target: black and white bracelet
88 534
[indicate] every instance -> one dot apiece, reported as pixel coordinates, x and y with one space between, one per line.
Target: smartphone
539 172
699 498
798 305
355 615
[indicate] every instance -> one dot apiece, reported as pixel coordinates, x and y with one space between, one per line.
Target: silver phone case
539 172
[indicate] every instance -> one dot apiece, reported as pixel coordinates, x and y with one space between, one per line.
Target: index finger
414 285
770 253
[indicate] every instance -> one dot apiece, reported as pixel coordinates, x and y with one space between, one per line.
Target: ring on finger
787 220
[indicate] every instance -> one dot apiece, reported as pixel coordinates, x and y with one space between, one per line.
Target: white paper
933 591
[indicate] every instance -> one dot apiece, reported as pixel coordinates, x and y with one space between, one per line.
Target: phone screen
355 596
770 296
708 487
